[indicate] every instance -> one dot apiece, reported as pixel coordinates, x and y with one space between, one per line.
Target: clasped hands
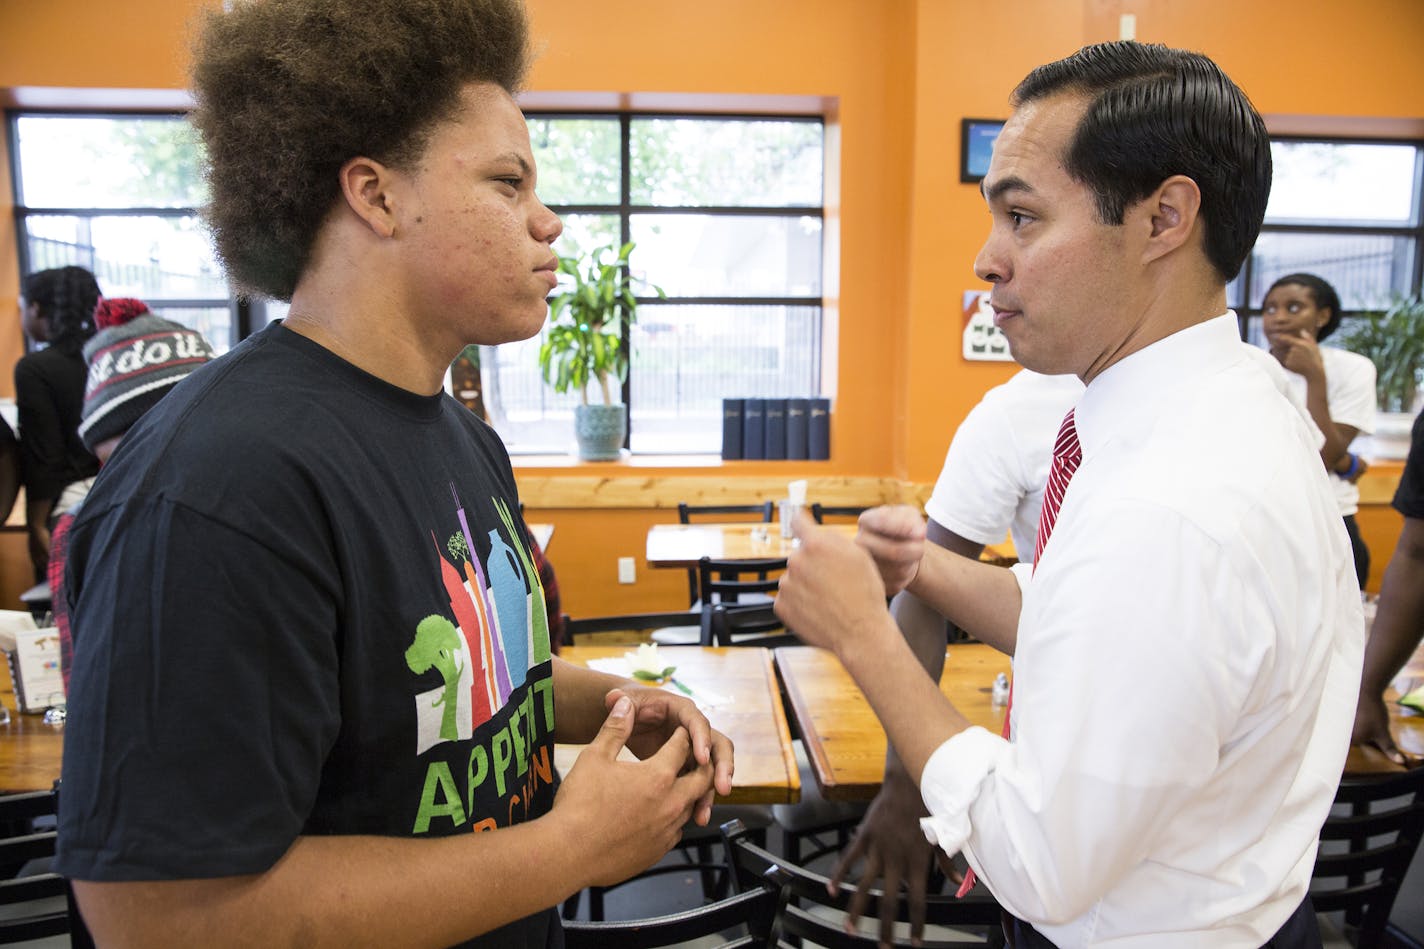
629 813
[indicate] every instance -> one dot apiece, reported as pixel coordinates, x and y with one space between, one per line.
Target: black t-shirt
49 393
280 629
1409 496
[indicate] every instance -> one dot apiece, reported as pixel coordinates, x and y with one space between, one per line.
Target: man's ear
366 186
1174 210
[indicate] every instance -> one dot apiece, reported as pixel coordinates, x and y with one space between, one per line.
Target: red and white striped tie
1067 455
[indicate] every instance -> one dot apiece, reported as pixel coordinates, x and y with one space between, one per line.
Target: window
726 212
1351 212
118 194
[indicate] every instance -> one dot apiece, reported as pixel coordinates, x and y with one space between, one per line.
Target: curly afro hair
289 90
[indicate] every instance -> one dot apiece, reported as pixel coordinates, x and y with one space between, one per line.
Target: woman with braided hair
56 309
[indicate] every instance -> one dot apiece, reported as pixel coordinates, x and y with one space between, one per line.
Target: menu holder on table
33 655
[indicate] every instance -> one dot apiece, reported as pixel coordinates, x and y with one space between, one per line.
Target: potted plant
585 343
1394 341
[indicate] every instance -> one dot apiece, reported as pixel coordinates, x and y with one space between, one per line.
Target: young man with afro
314 700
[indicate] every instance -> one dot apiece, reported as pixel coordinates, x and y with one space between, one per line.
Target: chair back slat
15 851
755 909
811 912
632 622
1367 844
1366 825
39 926
822 511
748 626
37 905
689 513
727 581
1331 865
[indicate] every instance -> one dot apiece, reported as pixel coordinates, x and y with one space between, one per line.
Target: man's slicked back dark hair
1156 112
289 90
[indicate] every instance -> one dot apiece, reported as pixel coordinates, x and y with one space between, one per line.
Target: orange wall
904 72
861 53
1311 57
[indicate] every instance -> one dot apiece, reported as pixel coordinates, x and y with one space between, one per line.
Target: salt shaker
1000 692
794 501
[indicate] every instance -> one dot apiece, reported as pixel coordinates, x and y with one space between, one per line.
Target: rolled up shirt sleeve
951 782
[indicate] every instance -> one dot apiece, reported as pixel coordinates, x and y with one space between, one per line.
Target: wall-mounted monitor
976 144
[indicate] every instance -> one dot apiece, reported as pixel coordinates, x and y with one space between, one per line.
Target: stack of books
776 429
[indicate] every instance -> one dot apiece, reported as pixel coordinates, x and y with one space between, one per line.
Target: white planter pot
600 431
1390 441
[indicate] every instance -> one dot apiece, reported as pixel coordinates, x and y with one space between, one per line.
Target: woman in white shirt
1338 386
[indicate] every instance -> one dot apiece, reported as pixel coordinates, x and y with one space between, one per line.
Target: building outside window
119 195
726 213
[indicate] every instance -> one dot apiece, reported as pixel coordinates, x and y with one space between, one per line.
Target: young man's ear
365 184
1174 210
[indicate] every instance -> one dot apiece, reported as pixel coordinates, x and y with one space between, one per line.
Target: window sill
571 462
661 481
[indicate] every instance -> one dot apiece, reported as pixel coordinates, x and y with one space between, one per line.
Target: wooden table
843 738
846 744
754 720
682 545
30 750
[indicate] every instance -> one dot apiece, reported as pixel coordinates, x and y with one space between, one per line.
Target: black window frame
1247 315
624 209
242 310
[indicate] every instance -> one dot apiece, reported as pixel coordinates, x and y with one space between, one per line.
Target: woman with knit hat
134 359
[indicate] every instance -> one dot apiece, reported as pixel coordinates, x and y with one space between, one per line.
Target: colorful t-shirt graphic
500 630
320 587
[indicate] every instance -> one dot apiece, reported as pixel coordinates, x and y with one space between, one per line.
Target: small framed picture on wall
976 145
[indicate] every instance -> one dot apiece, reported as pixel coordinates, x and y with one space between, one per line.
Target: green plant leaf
587 320
1394 341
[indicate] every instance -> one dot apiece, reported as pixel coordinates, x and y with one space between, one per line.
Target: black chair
810 912
822 511
755 625
733 582
689 513
632 623
726 582
36 905
754 910
814 826
1366 847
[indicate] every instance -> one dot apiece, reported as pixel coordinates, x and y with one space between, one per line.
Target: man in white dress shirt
1188 650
